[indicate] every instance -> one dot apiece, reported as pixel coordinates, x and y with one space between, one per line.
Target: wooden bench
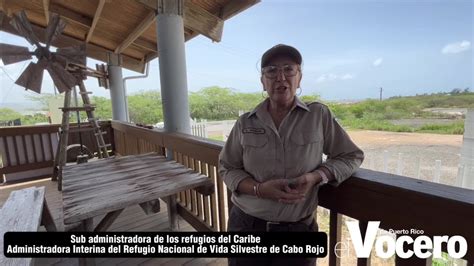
24 210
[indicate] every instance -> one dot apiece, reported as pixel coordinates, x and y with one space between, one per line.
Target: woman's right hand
278 190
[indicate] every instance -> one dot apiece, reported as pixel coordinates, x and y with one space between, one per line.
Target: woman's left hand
304 183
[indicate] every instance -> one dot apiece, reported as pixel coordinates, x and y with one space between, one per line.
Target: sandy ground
411 154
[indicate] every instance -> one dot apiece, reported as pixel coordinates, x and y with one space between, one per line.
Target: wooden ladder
61 152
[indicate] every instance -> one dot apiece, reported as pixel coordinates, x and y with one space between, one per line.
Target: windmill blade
62 79
55 27
32 77
73 54
12 54
21 23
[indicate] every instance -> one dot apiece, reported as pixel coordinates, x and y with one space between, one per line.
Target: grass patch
216 137
381 125
456 128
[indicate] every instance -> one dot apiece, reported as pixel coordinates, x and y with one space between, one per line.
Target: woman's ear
262 80
299 81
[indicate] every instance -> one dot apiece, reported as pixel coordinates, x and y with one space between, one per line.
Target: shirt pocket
256 155
305 138
254 141
306 149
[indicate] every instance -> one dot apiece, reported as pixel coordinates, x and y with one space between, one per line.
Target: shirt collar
298 103
301 104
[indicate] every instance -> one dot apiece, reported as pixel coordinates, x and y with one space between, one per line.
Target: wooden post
335 229
400 164
437 171
172 212
88 226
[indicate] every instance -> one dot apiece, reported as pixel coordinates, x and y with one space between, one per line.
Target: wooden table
107 186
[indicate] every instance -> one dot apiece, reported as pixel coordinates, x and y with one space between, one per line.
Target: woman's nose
280 75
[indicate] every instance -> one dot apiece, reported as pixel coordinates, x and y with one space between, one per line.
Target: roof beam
46 10
144 25
197 19
145 44
200 20
235 7
71 15
98 11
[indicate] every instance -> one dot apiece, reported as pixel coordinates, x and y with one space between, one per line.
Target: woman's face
280 79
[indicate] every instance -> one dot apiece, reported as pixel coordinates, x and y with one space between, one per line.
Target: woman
272 160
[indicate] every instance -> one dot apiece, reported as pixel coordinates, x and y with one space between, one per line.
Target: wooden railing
398 202
25 148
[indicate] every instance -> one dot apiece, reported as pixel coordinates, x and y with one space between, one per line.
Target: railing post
437 171
335 223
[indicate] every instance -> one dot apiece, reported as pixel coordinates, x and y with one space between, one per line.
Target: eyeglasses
271 72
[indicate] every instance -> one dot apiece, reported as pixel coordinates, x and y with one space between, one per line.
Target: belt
289 226
282 226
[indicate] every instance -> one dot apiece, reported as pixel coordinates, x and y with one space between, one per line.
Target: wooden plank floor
131 219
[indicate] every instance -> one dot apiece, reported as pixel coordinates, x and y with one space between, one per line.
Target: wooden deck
131 219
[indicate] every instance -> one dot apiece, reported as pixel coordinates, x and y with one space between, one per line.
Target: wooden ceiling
127 27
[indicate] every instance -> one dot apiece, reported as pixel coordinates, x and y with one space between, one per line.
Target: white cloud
331 77
321 79
456 47
378 61
347 76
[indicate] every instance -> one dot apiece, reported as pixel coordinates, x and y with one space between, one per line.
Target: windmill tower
68 70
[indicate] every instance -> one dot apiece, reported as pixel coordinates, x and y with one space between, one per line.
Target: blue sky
350 49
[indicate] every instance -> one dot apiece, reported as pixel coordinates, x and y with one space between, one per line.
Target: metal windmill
66 66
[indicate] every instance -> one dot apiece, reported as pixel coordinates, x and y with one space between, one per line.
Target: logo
386 246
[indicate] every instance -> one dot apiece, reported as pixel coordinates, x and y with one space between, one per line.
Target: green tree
145 107
7 114
34 119
248 101
103 107
310 98
215 103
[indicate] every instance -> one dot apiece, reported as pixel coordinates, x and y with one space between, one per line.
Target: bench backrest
21 212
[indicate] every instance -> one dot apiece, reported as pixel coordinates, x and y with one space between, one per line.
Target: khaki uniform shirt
256 148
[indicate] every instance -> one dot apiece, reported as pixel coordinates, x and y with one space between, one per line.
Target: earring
264 96
298 94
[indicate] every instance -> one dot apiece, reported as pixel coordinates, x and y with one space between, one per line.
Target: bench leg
107 221
88 226
172 212
47 219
